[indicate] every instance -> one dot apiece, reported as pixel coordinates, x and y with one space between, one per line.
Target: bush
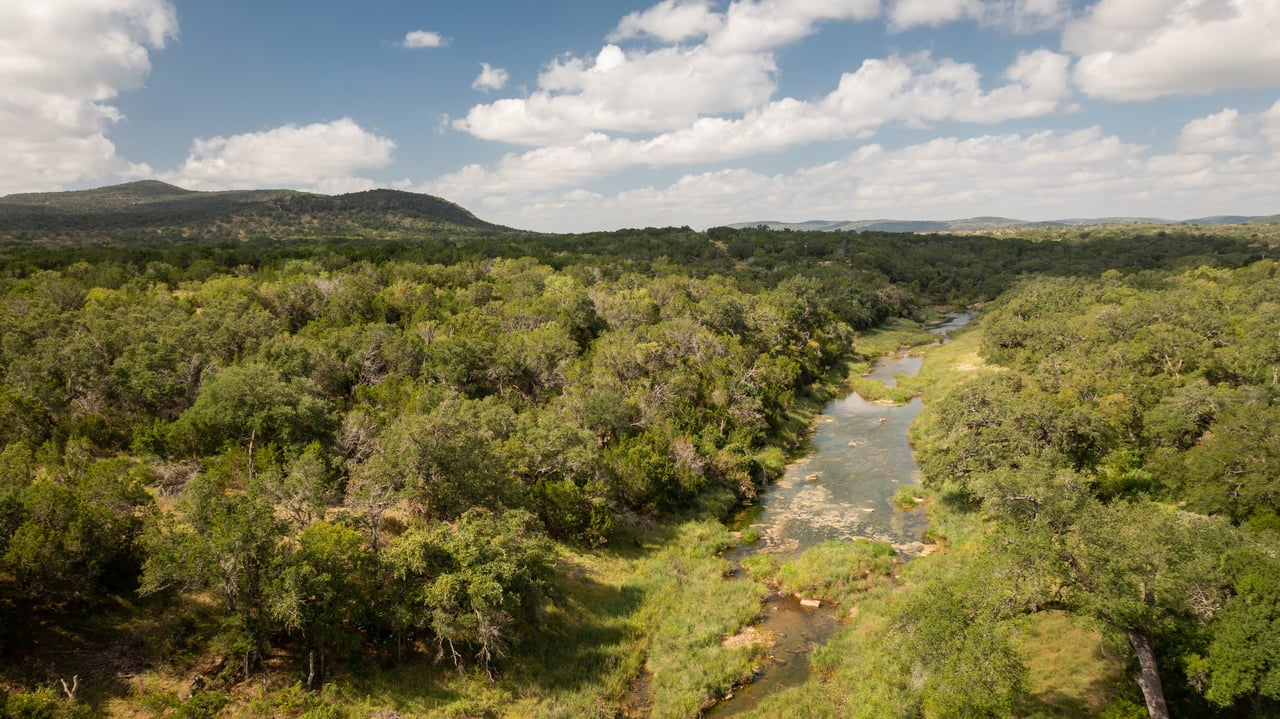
43 703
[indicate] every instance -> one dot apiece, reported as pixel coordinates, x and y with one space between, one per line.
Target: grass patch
908 496
762 567
892 336
875 391
947 365
857 673
1071 674
837 571
691 606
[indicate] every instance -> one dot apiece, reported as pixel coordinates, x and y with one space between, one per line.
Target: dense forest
283 460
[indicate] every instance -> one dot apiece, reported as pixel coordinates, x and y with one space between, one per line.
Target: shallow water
843 488
856 459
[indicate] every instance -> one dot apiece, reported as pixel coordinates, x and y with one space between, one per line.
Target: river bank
841 490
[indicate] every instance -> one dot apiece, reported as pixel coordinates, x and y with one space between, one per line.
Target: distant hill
113 212
973 224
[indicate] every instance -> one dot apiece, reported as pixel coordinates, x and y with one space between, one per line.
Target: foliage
1125 462
361 430
43 703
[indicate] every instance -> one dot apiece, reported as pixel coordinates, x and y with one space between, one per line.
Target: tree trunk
1148 674
311 670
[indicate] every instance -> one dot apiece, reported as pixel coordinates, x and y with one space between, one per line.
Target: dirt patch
751 636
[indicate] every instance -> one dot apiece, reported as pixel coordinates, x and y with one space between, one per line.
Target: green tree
324 592
1242 664
71 527
228 540
251 405
961 654
305 488
1235 468
473 583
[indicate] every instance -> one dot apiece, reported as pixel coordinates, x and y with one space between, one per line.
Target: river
843 488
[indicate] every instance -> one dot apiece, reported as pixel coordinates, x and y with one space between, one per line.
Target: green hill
120 212
101 198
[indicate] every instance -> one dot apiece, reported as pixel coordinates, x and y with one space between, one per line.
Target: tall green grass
692 606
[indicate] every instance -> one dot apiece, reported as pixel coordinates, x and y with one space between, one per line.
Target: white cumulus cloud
764 25
1231 131
1043 175
1017 16
625 92
321 156
490 78
729 68
713 99
908 90
417 39
62 63
1143 49
670 21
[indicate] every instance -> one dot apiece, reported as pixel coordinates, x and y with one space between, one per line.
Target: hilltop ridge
151 205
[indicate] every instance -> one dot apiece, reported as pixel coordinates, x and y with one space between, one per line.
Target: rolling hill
150 207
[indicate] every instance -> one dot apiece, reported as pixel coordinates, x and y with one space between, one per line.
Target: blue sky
576 115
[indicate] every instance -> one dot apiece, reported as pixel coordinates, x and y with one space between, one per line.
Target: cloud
917 90
62 63
1042 175
321 156
764 25
1270 120
1142 50
1216 133
490 78
1230 131
912 90
1018 16
424 39
669 21
624 91
731 69
909 13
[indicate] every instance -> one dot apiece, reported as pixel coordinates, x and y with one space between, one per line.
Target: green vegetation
1119 475
291 455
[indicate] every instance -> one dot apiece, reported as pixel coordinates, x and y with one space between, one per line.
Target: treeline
937 268
1128 462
